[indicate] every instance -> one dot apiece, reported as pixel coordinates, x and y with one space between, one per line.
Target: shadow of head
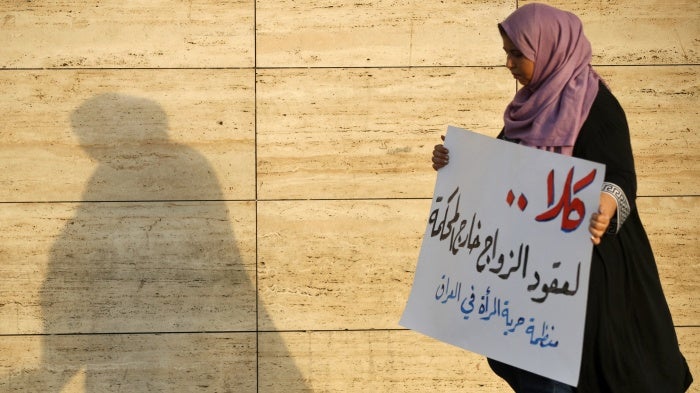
112 120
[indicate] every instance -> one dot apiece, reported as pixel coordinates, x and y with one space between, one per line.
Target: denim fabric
526 382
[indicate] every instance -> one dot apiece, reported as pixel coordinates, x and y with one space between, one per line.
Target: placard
504 264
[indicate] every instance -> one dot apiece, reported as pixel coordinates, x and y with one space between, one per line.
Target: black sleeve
605 138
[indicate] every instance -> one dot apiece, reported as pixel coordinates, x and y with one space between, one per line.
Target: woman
630 343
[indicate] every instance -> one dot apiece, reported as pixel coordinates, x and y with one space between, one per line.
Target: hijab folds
549 111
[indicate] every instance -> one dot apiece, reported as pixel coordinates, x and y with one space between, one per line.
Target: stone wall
229 196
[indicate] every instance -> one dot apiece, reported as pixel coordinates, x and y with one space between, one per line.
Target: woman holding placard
630 345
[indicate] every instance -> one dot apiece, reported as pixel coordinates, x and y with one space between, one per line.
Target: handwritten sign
504 264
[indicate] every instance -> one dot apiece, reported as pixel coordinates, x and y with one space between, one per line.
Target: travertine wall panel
362 361
115 33
127 267
662 107
673 227
369 133
448 33
627 32
337 264
377 146
381 33
389 361
349 264
689 341
154 134
129 363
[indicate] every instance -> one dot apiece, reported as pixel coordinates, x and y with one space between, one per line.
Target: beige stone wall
229 196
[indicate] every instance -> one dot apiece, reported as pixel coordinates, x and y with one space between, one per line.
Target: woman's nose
509 63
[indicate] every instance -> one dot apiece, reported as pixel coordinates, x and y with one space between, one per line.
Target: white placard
504 264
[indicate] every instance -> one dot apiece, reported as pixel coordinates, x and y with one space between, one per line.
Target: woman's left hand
441 156
600 220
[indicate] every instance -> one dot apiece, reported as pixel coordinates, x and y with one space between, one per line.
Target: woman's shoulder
606 108
605 99
606 124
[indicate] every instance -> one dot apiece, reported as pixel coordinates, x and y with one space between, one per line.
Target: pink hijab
548 113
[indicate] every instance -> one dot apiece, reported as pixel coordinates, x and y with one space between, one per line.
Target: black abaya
630 344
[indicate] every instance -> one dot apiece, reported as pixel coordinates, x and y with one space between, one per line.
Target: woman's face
521 67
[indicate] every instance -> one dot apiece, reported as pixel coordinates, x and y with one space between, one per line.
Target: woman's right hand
440 155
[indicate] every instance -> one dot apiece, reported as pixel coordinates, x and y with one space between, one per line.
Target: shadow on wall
146 290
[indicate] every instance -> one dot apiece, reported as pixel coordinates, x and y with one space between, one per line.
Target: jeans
526 382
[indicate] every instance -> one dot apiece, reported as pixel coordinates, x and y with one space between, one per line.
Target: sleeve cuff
623 206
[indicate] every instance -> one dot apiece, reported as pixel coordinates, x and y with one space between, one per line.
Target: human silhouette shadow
146 290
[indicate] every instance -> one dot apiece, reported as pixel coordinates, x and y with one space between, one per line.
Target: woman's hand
601 219
440 155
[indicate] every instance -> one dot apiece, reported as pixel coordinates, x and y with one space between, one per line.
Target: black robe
630 343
